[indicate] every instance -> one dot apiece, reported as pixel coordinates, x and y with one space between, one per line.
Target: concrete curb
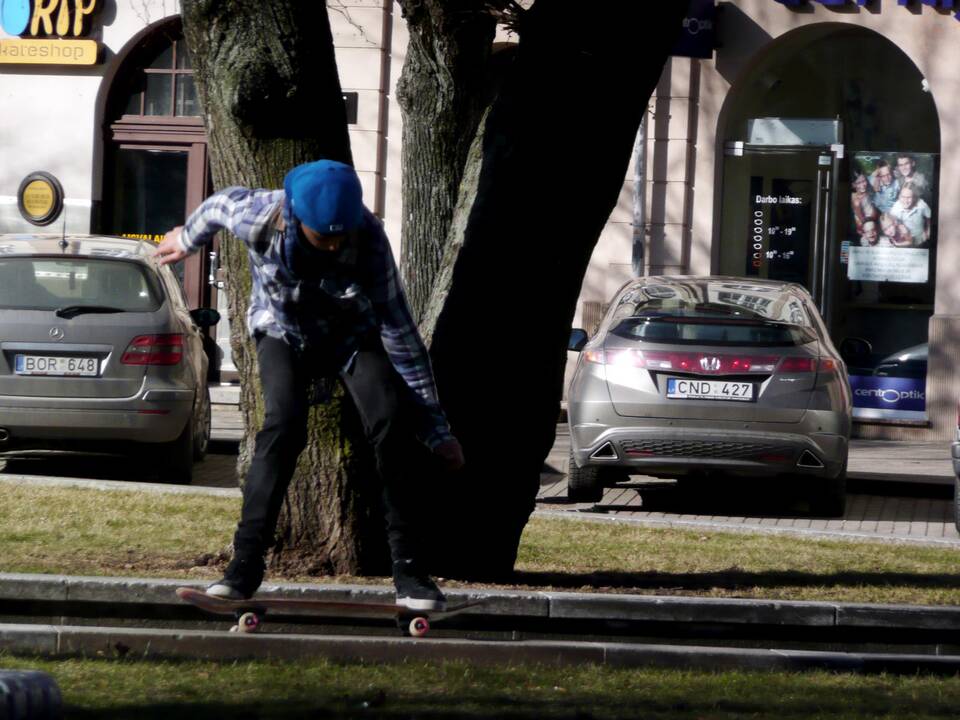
66 641
558 606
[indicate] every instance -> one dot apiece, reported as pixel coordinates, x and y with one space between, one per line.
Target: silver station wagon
99 354
698 378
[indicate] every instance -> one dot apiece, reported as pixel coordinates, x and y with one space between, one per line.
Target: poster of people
892 223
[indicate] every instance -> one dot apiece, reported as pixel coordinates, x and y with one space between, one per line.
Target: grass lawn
248 690
80 531
86 531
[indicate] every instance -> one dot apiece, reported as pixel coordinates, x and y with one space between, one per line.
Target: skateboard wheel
249 622
419 627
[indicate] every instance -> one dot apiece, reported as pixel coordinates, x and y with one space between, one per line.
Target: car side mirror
205 317
854 348
578 338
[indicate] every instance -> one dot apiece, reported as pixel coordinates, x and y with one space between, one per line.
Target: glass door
776 215
149 191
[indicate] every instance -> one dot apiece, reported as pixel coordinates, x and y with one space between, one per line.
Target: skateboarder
326 302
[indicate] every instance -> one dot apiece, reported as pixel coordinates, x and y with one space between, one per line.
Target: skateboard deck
250 613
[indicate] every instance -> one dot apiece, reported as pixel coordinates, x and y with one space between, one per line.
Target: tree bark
522 204
268 84
550 165
442 92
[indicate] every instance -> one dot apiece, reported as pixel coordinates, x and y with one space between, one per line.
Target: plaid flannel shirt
363 289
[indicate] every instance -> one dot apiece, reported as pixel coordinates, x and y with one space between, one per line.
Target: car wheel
201 437
832 501
176 458
584 484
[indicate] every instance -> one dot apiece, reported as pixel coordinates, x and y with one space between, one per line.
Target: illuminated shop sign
941 4
900 398
47 32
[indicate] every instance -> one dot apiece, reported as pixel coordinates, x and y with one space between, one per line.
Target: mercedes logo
56 333
710 364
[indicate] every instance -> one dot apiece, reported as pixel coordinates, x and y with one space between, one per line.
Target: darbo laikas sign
47 32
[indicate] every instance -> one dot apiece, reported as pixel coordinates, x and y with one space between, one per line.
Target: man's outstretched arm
241 211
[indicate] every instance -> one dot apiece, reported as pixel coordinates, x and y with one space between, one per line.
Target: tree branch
341 9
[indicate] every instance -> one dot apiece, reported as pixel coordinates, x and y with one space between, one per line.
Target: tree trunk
442 91
550 165
268 84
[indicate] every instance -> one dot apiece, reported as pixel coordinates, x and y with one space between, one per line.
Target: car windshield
678 320
44 283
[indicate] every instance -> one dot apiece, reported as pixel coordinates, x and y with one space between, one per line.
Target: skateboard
250 613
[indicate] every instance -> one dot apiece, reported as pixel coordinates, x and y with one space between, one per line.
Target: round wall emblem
40 198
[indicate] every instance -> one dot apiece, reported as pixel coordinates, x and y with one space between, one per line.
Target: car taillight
807 364
154 350
694 362
797 365
827 365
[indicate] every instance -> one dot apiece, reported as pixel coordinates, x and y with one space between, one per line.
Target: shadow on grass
578 707
843 698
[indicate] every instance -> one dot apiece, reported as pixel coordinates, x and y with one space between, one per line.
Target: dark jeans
387 410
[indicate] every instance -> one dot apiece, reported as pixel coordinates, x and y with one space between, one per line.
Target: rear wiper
71 311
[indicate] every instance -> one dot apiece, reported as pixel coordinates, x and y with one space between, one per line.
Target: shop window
164 85
830 179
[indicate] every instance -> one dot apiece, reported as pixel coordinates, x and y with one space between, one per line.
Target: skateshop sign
48 32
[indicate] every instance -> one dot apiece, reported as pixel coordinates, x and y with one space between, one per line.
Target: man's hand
169 250
450 453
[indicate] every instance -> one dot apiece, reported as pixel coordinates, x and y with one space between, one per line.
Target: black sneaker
240 581
415 589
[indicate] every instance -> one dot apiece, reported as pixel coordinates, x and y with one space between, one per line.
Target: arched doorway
830 170
155 167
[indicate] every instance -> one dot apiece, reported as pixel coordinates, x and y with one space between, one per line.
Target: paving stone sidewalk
898 491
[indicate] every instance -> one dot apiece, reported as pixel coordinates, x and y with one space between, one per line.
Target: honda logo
710 364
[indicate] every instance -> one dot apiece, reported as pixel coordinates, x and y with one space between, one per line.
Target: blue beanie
325 196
